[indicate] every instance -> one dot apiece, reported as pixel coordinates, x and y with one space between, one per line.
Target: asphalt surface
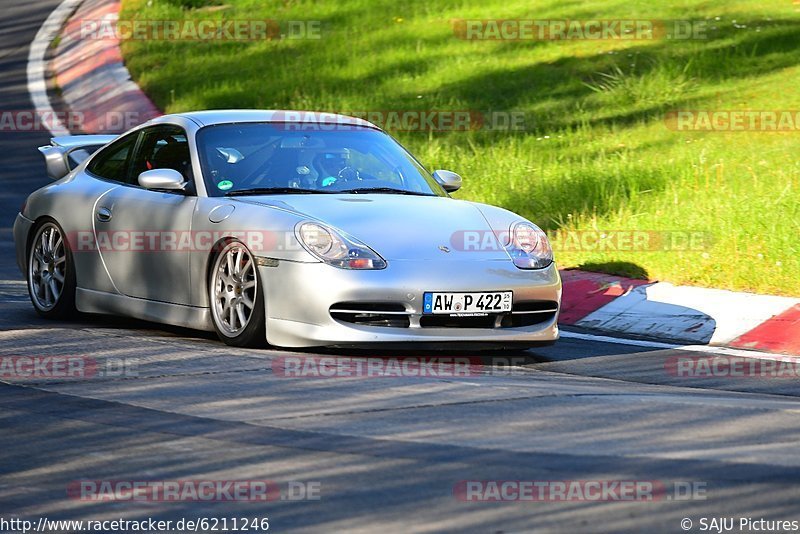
376 454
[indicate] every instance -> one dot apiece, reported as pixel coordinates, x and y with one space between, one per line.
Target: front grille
395 315
528 306
390 307
390 314
529 313
517 320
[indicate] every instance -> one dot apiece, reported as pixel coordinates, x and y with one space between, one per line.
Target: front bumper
22 229
300 295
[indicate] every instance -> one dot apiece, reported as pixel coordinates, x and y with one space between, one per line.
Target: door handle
103 214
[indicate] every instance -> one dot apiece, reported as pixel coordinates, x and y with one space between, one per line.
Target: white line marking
37 66
709 349
618 340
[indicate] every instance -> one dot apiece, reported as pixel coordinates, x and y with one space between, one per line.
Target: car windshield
284 158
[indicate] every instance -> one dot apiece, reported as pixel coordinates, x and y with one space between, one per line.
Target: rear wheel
237 304
51 272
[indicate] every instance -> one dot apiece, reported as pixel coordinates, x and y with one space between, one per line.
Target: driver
335 166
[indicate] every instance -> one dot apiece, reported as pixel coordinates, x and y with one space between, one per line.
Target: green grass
596 154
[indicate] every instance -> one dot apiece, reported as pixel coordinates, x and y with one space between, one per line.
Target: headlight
334 248
529 247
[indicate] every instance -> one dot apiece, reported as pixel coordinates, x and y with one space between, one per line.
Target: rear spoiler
67 152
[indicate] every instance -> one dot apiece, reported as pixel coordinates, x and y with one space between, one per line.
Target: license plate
470 303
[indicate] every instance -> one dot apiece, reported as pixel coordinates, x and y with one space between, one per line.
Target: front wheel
237 304
51 272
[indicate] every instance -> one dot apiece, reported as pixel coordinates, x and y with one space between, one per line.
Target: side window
163 147
112 162
76 157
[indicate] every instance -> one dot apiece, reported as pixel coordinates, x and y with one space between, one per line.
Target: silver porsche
291 229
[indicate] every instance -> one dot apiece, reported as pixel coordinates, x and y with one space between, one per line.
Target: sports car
291 229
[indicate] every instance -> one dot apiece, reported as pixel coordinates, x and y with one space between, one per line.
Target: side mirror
449 180
162 179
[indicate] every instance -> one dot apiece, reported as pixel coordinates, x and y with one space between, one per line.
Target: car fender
267 231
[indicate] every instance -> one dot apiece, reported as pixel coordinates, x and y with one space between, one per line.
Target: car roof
225 116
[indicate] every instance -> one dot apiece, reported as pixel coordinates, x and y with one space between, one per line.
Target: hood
400 227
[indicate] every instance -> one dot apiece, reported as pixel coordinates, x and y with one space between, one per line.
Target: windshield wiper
274 191
389 190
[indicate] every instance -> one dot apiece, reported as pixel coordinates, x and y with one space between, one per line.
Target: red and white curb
91 74
678 313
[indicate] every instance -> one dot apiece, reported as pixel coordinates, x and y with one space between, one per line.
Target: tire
50 272
236 297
